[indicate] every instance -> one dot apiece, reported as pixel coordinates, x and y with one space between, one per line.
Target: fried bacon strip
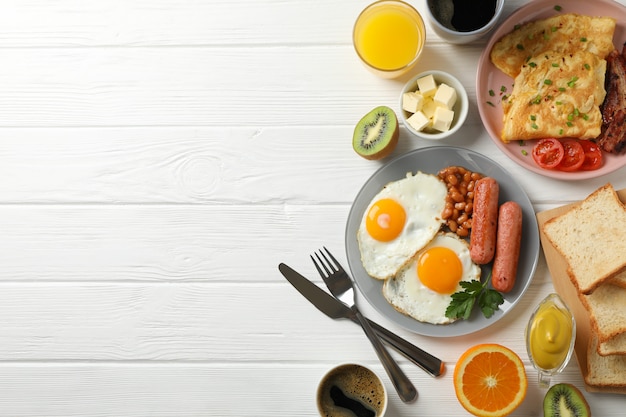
612 138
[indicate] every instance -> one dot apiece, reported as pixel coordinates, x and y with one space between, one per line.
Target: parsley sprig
462 303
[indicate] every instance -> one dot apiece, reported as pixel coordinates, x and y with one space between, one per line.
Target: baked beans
460 198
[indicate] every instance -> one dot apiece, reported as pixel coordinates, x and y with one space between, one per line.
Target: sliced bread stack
592 238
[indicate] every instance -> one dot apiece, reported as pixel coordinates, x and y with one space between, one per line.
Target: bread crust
613 346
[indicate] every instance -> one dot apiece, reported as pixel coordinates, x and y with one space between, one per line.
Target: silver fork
340 285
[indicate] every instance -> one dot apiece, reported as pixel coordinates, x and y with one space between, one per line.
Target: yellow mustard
550 336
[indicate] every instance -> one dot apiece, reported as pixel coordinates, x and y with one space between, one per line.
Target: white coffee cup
349 386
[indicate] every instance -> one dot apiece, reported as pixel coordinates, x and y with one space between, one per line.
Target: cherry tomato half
593 155
548 153
574 155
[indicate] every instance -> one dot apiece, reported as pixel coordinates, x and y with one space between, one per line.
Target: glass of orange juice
389 36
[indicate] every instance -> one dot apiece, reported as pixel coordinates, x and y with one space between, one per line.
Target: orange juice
389 36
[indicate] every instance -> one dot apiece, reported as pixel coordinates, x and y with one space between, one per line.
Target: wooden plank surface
158 160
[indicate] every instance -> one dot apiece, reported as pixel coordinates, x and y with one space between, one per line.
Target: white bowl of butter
433 105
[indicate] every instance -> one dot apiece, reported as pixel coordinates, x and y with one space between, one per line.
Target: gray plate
431 160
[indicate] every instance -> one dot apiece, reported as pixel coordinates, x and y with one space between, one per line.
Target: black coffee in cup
351 390
463 15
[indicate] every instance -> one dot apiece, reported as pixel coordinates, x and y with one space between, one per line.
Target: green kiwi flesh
376 134
565 400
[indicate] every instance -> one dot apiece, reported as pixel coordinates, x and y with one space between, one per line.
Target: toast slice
591 236
606 312
604 371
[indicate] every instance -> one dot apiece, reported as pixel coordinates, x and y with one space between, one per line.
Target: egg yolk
385 220
440 269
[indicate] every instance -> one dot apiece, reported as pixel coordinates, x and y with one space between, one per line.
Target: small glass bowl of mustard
550 336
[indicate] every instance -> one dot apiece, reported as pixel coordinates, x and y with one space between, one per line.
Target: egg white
409 296
423 198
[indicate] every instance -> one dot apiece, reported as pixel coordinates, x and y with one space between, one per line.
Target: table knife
335 309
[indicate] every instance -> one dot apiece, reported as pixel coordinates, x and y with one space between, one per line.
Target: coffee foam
357 383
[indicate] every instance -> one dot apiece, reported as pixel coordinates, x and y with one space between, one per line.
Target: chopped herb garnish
555 64
533 117
572 82
503 89
547 82
491 104
561 89
492 93
517 27
462 303
587 67
534 126
524 152
570 117
521 142
536 100
569 124
545 36
554 28
583 39
532 64
585 117
558 103
520 46
560 132
557 8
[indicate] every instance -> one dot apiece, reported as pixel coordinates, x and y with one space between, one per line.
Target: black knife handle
424 360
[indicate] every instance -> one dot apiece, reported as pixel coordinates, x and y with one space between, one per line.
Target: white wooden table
158 160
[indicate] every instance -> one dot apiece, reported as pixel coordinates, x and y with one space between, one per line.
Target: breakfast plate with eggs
494 88
408 191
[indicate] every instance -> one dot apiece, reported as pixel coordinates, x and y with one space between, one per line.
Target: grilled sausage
484 220
508 244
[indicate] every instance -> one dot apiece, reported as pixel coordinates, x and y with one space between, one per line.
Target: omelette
556 95
564 33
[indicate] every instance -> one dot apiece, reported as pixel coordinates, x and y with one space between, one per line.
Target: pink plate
488 77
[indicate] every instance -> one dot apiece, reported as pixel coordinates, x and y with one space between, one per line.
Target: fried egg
399 221
423 289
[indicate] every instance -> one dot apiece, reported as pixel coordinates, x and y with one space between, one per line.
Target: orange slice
490 380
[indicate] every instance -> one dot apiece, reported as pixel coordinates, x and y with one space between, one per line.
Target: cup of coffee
463 21
350 390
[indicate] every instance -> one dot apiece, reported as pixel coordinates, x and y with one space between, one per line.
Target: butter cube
412 102
429 107
427 85
418 121
442 119
445 96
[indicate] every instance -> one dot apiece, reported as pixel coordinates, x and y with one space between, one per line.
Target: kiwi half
376 134
565 400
